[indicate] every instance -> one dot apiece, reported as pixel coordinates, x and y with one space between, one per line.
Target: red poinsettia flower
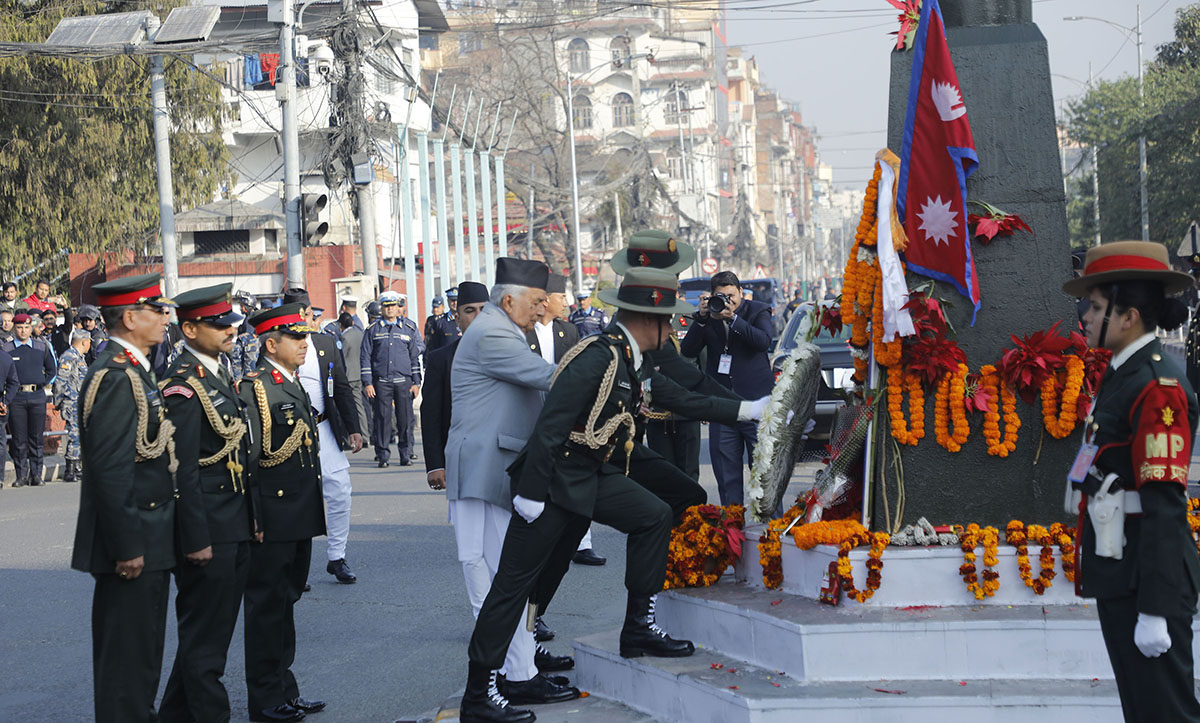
1033 359
927 314
831 319
976 396
931 357
1095 363
910 16
994 222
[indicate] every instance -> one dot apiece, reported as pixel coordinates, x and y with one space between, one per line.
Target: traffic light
312 228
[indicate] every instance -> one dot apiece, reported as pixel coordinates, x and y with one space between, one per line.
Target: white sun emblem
937 220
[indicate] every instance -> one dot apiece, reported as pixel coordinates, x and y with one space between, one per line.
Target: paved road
392 646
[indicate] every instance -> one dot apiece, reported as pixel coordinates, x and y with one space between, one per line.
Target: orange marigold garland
847 535
1018 535
1065 537
950 409
1060 413
989 538
770 556
999 399
704 544
861 280
897 381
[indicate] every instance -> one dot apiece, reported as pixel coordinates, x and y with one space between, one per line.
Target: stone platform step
816 642
710 687
591 709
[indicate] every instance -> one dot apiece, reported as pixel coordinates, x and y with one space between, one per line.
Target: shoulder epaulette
1168 381
251 375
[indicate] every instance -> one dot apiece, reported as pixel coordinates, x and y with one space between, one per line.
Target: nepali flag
937 157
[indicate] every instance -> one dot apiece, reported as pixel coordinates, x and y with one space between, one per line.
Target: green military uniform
212 443
287 498
1140 430
126 510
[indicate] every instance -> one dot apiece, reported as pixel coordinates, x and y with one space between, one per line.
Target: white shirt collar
290 376
545 337
136 353
210 363
1132 349
633 347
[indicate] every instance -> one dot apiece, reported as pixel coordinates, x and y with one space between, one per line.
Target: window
622 110
675 107
209 243
578 52
469 43
674 163
582 113
620 48
384 82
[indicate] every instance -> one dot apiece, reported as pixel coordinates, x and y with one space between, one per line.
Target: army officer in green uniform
288 503
212 446
125 535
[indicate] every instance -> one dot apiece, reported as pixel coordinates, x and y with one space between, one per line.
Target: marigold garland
1065 537
1060 413
770 553
950 403
989 538
847 535
999 398
1018 535
699 552
897 380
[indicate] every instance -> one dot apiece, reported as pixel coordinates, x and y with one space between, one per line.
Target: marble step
816 642
589 709
711 687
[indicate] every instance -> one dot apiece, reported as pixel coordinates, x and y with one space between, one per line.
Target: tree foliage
1111 116
77 163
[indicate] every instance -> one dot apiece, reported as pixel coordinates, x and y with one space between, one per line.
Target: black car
837 367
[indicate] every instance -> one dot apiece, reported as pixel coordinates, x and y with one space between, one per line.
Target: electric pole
285 92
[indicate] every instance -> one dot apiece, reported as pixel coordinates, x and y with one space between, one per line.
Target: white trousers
336 488
586 542
479 529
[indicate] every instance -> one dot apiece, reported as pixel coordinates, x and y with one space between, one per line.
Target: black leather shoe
541 632
279 714
383 464
307 587
557 679
35 480
405 462
340 570
483 703
548 662
642 636
537 690
414 457
588 556
19 482
307 706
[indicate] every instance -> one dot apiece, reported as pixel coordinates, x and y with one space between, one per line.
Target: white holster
1107 510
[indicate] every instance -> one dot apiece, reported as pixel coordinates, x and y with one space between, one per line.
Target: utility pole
617 205
574 185
360 145
1095 177
1142 137
532 213
285 92
162 156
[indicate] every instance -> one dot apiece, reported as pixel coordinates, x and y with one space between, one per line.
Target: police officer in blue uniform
587 318
441 329
391 377
36 366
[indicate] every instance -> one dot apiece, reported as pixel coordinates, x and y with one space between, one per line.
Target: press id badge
724 363
1083 462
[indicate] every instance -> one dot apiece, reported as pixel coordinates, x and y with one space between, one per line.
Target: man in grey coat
350 337
496 389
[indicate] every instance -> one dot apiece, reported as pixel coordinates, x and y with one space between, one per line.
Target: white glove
808 428
527 508
752 411
791 413
1150 635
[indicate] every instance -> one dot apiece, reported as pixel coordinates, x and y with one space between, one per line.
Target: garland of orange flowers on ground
770 551
703 545
897 381
847 535
951 402
1060 413
1018 535
998 394
989 538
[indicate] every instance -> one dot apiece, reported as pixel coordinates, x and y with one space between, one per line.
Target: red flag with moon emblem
936 159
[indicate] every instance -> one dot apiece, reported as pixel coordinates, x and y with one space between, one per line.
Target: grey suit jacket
496 391
351 352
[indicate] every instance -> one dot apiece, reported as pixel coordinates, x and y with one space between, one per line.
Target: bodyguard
212 445
71 370
586 318
440 328
391 376
27 416
286 494
125 535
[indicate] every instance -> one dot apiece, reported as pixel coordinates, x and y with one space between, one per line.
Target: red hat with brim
132 291
1128 261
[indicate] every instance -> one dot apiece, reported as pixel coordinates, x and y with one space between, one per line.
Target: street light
1134 33
574 171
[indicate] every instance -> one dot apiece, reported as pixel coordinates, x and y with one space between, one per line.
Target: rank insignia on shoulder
132 360
250 375
276 376
1168 381
200 371
65 366
181 390
120 359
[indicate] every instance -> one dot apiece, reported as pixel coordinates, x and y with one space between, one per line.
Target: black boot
548 662
538 690
642 636
20 481
73 472
482 700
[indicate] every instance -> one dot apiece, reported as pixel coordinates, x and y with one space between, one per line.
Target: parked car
837 368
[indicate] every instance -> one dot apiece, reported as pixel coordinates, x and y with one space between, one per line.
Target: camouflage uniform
71 370
244 357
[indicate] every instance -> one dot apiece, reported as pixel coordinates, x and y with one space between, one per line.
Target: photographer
736 333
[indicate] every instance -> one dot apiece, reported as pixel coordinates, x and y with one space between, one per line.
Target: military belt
30 387
600 455
318 418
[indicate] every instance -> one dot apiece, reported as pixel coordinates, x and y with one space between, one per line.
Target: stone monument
1004 72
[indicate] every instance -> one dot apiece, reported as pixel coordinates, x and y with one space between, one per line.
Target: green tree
77 164
1112 117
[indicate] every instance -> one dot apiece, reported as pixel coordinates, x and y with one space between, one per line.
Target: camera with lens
717 303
